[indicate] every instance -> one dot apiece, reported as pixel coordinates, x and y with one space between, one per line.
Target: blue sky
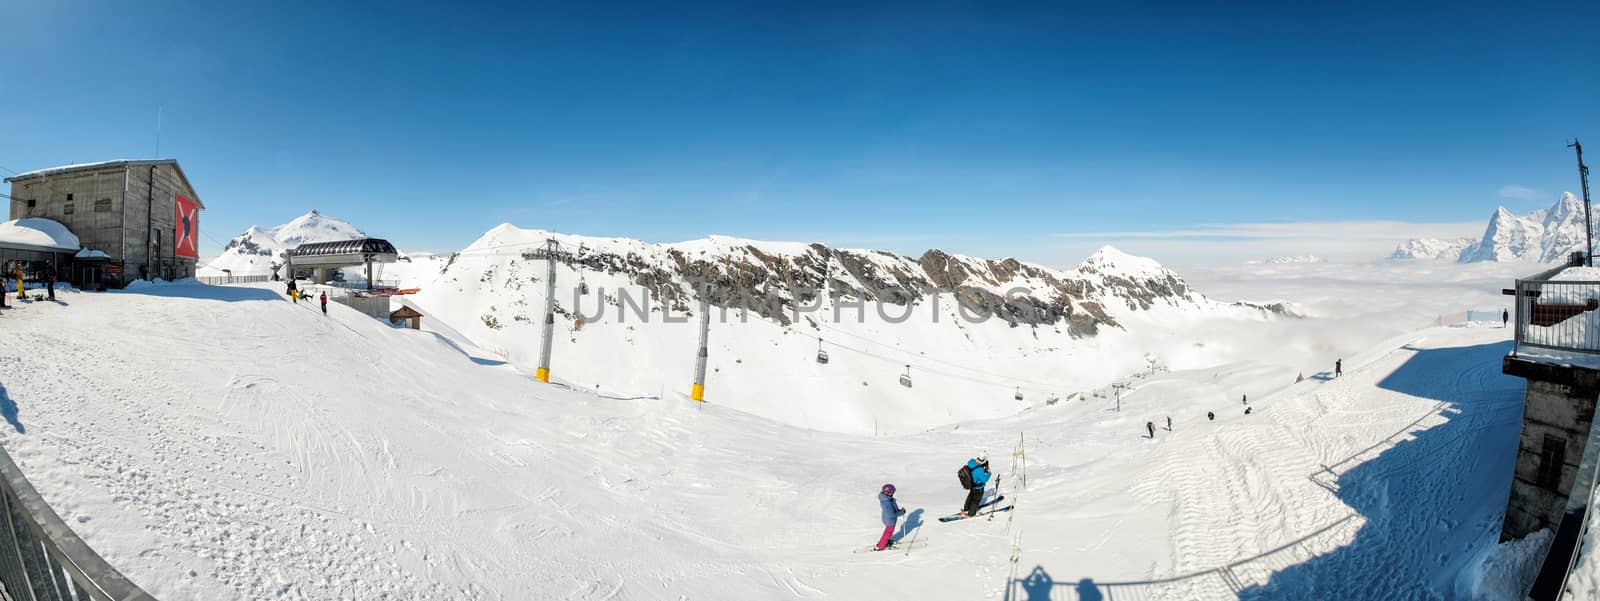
984 128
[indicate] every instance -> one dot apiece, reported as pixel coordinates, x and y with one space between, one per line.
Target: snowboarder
1151 426
1505 317
974 476
1338 367
324 298
891 514
1211 416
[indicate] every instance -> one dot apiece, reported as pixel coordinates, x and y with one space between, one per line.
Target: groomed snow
223 443
38 232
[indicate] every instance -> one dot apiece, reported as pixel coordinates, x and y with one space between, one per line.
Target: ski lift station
325 259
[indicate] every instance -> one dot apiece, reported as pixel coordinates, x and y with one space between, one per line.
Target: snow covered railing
41 559
1562 315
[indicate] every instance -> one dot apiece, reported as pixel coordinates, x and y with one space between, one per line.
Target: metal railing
41 559
216 280
1558 315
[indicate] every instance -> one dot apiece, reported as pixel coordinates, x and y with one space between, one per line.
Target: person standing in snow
1244 398
891 514
1151 426
976 473
1505 317
1211 416
1169 423
293 291
324 298
50 283
1338 367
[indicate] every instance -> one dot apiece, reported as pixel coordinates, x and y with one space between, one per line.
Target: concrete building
142 214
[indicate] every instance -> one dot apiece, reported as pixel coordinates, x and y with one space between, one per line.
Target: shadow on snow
232 294
1398 540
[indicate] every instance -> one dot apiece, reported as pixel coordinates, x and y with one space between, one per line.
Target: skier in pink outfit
891 514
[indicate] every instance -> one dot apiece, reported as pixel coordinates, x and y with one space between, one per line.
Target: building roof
111 164
37 233
343 247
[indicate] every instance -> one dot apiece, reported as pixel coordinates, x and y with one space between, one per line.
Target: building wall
1557 413
88 203
161 260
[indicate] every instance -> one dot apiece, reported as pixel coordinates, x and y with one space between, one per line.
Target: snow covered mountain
1544 236
971 328
259 251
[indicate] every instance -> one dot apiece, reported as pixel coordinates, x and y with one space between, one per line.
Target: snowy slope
261 450
1544 236
258 250
973 332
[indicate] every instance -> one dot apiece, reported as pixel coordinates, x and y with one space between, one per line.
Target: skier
1211 416
891 513
1338 367
1151 426
324 298
289 289
974 476
1505 317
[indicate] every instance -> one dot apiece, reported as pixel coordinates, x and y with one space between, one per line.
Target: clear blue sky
981 127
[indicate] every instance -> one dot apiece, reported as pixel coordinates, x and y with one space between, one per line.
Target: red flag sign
188 228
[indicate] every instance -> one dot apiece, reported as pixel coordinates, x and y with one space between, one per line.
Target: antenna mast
1588 221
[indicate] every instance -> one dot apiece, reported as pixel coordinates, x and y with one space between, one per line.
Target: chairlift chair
583 285
1019 393
905 378
822 355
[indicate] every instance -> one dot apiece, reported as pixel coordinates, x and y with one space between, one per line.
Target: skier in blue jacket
891 514
978 469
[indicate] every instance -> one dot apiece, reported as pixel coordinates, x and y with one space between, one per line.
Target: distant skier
974 476
1211 416
324 298
1244 398
1505 318
1247 411
1151 426
1169 423
1338 367
891 513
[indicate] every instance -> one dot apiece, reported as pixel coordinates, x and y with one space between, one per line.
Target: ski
894 546
957 517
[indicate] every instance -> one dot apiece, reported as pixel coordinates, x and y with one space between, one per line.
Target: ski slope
223 443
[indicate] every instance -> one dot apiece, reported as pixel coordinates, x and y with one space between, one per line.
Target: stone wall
1556 416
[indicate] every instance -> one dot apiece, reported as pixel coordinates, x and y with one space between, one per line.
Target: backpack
965 474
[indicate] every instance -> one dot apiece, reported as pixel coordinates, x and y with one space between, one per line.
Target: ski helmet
983 456
888 489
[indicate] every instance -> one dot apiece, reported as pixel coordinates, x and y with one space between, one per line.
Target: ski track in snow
234 445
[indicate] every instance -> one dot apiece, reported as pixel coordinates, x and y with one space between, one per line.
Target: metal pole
1588 223
698 391
543 374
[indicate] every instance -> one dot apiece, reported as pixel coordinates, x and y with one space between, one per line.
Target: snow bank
1505 571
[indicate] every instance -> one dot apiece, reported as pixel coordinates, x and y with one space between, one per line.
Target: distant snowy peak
258 250
1139 283
1546 236
1431 249
314 227
1290 260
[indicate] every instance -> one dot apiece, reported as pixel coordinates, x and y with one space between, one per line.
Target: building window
102 206
32 203
1551 457
69 196
66 209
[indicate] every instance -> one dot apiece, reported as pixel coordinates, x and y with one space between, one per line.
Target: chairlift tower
1588 223
1119 388
550 254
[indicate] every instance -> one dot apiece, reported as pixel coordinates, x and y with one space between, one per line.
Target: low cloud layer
1223 243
